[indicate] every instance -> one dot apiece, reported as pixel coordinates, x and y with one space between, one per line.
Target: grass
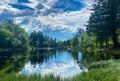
98 71
101 71
37 77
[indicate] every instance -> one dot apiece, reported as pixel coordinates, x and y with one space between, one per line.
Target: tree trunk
113 23
115 41
107 43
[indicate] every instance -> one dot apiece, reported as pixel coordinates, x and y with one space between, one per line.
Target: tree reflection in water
13 61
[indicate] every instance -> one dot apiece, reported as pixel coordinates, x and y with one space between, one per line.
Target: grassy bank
101 71
14 77
98 71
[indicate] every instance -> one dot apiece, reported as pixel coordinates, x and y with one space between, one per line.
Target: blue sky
60 35
57 18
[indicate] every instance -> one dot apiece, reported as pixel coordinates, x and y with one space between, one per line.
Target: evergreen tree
104 21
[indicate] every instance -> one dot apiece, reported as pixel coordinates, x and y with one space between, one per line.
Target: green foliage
60 44
39 40
18 77
87 42
104 22
6 38
12 36
74 41
103 29
71 43
100 71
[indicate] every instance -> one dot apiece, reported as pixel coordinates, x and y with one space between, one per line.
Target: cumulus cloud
67 21
3 2
48 15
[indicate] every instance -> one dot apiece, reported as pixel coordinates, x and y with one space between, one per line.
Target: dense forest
38 39
12 36
94 51
103 29
105 22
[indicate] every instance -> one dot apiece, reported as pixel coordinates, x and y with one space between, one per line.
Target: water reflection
57 62
89 57
10 64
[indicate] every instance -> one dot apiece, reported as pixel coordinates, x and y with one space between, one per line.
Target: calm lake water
62 63
58 62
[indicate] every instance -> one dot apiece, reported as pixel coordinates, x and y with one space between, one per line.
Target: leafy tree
39 40
87 41
74 41
33 38
104 21
12 36
60 44
6 38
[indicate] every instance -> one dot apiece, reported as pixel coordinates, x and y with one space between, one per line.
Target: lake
60 62
64 63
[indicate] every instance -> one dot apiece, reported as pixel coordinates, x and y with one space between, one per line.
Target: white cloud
8 12
52 21
68 21
3 2
46 3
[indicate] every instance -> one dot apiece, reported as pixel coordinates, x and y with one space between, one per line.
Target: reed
98 71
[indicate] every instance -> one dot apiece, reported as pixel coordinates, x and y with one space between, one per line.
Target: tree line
14 37
103 29
104 23
38 39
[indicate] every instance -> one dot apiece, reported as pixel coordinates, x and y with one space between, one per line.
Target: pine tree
104 21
